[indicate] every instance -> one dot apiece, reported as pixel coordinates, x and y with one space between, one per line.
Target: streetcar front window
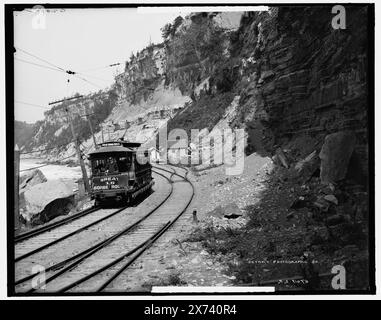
104 166
110 165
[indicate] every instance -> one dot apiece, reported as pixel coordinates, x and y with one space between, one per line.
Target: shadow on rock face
54 209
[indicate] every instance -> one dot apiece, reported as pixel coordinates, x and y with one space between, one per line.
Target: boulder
216 212
27 180
321 204
331 198
305 168
280 158
299 203
335 155
39 196
335 220
30 179
230 211
54 209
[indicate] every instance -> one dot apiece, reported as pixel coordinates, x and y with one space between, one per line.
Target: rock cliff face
294 77
298 79
54 130
195 50
142 75
78 107
156 84
299 76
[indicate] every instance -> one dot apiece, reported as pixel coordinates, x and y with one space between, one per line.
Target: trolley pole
17 179
81 162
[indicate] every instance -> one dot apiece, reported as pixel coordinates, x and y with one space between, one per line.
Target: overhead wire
39 65
103 67
31 104
83 79
91 76
57 68
39 58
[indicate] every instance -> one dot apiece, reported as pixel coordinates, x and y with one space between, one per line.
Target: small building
154 155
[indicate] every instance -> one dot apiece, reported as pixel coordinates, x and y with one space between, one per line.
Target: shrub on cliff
170 29
201 40
203 113
225 75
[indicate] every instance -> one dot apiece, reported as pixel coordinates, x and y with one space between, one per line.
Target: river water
52 171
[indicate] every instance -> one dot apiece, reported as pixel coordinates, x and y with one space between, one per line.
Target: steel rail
49 244
90 251
150 241
67 236
27 235
32 233
107 266
143 246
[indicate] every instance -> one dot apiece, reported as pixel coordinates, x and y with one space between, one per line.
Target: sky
81 40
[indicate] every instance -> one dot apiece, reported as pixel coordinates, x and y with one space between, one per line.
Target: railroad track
133 240
41 242
44 237
43 248
35 232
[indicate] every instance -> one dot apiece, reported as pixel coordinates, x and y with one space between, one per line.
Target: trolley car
118 173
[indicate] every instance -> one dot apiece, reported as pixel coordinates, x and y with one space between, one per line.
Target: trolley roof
110 149
123 143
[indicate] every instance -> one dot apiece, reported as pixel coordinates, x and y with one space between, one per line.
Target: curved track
50 226
69 266
54 233
44 241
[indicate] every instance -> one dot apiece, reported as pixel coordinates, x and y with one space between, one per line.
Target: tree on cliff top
170 29
176 23
166 31
203 41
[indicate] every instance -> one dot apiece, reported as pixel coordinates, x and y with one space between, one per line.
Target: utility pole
17 179
92 132
125 131
78 150
81 162
91 129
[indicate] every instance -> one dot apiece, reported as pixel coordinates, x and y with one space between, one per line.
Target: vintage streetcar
117 173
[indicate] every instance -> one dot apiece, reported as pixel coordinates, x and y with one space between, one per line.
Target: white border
209 289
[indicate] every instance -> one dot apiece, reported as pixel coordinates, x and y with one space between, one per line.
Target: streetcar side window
124 164
98 166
